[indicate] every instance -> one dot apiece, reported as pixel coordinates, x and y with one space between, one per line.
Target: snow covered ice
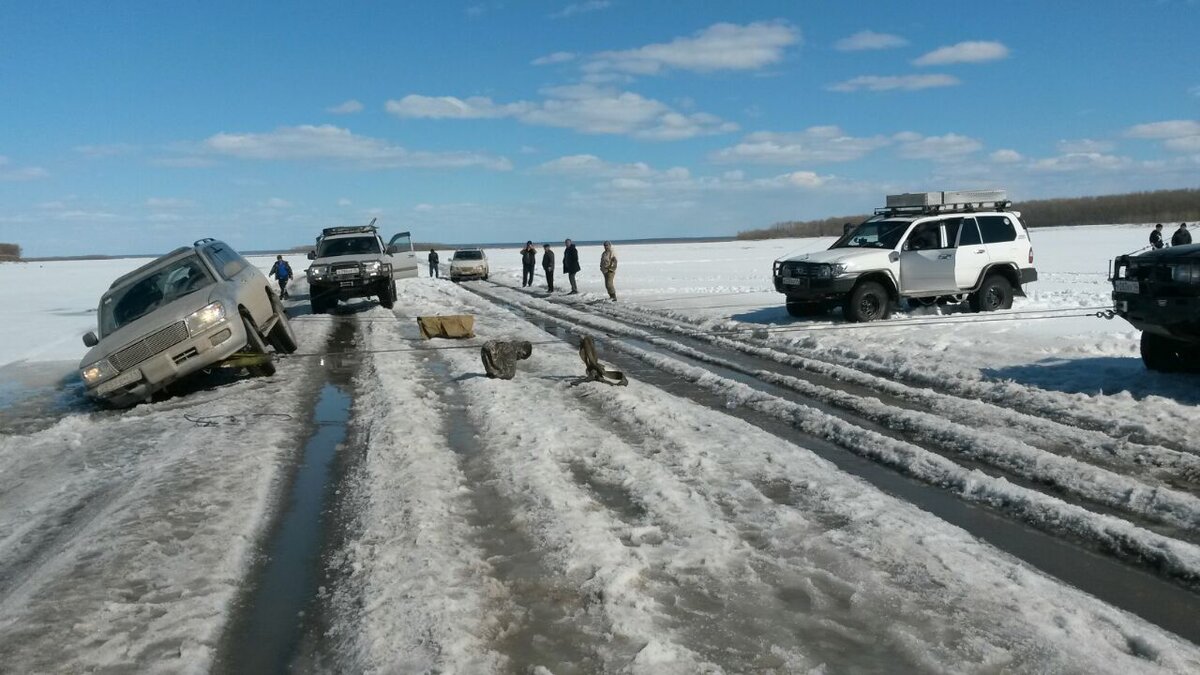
547 525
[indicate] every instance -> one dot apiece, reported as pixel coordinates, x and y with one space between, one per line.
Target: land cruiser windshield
157 289
875 234
468 255
330 248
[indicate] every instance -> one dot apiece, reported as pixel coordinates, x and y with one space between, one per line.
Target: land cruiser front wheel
255 345
1164 354
387 294
867 302
995 293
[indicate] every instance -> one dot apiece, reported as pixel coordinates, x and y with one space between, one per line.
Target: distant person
433 264
608 267
1181 237
282 271
571 264
528 261
1156 236
548 267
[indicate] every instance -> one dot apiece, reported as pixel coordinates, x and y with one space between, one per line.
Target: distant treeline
1159 206
9 252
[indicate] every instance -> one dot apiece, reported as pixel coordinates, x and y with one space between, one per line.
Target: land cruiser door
927 257
972 254
404 259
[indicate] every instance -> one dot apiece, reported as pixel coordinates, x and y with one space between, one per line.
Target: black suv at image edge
1159 293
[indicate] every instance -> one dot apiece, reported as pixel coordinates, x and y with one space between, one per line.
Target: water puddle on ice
265 634
35 395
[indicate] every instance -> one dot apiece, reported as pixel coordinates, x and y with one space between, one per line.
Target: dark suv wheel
1165 355
995 293
868 301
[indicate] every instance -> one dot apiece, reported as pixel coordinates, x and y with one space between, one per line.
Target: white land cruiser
353 262
926 247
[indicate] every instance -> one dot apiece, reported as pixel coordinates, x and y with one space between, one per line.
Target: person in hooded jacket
433 264
282 271
1181 237
608 267
571 264
528 260
548 267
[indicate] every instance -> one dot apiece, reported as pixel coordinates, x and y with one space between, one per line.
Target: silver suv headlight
839 269
98 372
372 268
318 270
205 318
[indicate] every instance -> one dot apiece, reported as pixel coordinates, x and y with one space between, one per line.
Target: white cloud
722 46
276 203
346 108
10 173
815 144
939 148
344 202
1183 144
1165 129
869 39
591 165
1005 156
964 52
585 108
1081 161
187 162
1083 145
894 82
327 142
556 57
169 203
581 8
1194 91
528 150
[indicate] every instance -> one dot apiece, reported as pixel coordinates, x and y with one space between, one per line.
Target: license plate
347 283
793 281
347 271
1125 286
123 380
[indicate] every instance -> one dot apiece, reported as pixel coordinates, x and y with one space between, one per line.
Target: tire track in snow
1173 558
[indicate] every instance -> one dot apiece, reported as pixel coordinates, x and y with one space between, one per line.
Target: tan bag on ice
452 326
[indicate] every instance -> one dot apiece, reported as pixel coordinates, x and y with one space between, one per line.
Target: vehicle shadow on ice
1101 375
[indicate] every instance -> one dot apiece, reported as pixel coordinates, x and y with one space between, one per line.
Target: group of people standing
570 266
1181 237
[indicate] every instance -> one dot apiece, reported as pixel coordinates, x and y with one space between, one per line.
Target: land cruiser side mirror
893 256
90 339
312 255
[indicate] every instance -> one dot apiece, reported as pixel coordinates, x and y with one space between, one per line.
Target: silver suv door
927 257
404 259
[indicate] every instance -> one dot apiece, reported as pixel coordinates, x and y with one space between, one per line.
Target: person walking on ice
528 260
548 267
608 267
282 271
571 264
433 264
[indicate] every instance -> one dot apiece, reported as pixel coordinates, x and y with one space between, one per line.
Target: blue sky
131 127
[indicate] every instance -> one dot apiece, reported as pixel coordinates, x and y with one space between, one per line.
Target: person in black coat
571 264
548 267
1181 237
528 260
433 263
1156 236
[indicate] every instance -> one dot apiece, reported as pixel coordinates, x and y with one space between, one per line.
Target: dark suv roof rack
348 229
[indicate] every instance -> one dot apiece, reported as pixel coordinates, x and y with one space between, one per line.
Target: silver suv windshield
330 248
157 289
468 255
875 234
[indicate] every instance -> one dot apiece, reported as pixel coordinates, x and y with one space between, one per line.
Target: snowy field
722 513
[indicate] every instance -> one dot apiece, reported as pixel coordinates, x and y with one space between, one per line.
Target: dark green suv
1159 293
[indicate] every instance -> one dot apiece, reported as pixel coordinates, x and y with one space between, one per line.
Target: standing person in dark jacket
433 264
1181 237
528 260
548 267
571 264
1156 236
282 271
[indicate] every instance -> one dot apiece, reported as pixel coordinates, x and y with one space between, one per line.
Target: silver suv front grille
149 346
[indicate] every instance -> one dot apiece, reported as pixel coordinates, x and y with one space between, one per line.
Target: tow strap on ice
500 357
595 370
453 326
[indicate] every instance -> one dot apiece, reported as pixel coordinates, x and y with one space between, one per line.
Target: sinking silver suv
188 310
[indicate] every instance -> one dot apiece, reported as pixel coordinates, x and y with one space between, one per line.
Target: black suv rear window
996 229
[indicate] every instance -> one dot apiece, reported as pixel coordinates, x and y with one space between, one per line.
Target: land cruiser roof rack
926 203
201 242
369 228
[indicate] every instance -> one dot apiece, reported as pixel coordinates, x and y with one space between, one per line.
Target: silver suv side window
220 256
996 229
970 233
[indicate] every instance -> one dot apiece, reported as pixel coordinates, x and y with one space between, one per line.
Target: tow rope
596 371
